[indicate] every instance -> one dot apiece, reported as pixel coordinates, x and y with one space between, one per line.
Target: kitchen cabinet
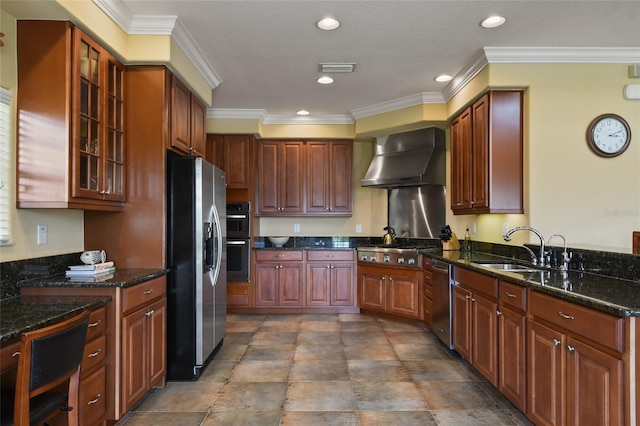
427 291
281 174
487 155
390 290
512 306
135 332
330 278
92 371
71 139
575 364
329 177
188 117
475 327
279 278
233 154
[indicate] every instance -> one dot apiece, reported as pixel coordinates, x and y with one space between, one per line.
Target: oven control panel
390 256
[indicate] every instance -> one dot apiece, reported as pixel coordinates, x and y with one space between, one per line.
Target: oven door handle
236 243
236 216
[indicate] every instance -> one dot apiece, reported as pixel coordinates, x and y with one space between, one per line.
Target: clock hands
615 133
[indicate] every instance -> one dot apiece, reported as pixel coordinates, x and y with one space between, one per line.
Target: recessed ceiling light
303 112
443 78
325 80
328 24
493 21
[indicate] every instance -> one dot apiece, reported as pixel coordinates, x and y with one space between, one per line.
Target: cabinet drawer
428 310
427 262
97 323
330 255
477 282
513 295
94 353
278 255
7 358
142 293
93 399
599 327
428 290
428 276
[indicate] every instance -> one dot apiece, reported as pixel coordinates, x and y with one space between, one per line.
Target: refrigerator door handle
218 242
208 246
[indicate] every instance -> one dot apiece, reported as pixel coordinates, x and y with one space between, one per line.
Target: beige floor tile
159 419
372 352
243 418
217 371
274 338
320 326
356 318
320 317
378 371
360 326
269 353
251 397
230 352
389 396
437 370
319 338
320 396
320 418
476 417
182 397
245 317
280 326
400 418
364 338
261 371
455 396
284 317
243 326
391 325
408 337
418 352
319 353
319 371
237 338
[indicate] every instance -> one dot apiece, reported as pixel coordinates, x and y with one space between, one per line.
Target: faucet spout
507 237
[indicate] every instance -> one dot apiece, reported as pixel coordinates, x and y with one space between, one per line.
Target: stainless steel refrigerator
197 263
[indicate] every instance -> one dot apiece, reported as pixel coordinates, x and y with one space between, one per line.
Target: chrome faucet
541 260
564 266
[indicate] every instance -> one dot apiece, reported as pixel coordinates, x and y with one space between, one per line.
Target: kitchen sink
509 267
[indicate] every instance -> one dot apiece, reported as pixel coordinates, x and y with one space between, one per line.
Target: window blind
5 142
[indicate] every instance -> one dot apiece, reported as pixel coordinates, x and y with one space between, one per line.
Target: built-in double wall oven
238 241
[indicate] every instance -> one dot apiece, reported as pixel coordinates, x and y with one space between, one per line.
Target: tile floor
317 369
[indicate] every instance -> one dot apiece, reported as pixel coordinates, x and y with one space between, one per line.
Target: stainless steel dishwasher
442 301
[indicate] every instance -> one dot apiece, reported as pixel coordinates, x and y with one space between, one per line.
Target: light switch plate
296 227
42 234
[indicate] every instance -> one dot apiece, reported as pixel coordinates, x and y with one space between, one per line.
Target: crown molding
467 74
117 11
400 103
319 119
565 55
252 114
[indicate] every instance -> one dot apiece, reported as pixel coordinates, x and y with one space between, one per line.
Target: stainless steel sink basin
513 267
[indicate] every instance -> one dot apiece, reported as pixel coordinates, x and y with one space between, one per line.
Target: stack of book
103 270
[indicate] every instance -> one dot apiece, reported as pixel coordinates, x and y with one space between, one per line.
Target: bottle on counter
467 240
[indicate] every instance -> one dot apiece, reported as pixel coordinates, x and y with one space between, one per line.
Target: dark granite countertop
615 296
121 278
305 248
25 313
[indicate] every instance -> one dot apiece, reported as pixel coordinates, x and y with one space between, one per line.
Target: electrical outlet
42 234
505 228
358 228
474 228
296 227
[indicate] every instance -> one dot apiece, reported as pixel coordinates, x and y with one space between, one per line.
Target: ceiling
263 56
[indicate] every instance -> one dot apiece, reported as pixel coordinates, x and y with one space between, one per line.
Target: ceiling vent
337 66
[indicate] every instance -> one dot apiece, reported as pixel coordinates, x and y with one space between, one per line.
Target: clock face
609 135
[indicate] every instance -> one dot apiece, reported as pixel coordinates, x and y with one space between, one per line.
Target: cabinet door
480 153
318 177
237 160
484 343
462 322
266 284
135 358
157 342
291 181
372 286
93 398
268 177
115 139
180 116
340 176
511 355
404 293
198 123
461 161
595 388
342 284
318 279
290 282
546 372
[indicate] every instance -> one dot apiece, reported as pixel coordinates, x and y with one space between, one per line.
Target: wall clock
608 135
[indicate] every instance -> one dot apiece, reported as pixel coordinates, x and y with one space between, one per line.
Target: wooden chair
636 242
49 356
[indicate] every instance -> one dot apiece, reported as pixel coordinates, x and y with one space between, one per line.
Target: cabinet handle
279 255
458 204
328 266
15 354
151 312
556 342
330 256
570 348
473 202
427 311
332 266
149 291
510 294
498 313
93 401
565 316
94 354
95 324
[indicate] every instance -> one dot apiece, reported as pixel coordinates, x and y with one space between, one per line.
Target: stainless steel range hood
412 158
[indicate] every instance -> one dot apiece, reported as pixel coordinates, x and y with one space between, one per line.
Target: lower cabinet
427 291
279 278
573 379
389 290
92 372
330 279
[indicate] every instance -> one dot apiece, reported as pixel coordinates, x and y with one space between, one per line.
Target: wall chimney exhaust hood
412 158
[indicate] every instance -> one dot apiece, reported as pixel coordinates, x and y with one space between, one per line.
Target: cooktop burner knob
363 257
412 261
386 259
401 260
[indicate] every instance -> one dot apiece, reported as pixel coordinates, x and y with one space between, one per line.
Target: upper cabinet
487 155
304 178
188 116
71 137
